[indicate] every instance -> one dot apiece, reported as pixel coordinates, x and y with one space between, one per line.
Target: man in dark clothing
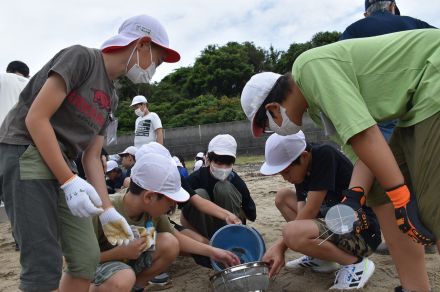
381 17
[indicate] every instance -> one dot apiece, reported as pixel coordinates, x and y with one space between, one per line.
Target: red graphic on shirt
102 99
89 110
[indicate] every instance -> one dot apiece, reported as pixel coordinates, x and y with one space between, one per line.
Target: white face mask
139 112
287 126
220 173
138 75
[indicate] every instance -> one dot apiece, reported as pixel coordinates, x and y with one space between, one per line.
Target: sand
187 276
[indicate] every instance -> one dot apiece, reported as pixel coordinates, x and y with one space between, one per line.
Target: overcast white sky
33 31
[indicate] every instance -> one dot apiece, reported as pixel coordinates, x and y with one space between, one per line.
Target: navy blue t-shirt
382 22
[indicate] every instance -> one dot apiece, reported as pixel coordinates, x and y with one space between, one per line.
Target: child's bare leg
167 250
286 202
122 280
408 257
300 236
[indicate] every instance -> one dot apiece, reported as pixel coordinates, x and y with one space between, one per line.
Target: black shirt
330 170
202 179
382 22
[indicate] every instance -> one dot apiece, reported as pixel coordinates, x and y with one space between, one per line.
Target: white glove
115 227
81 197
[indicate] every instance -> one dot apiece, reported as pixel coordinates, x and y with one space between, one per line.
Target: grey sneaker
382 249
160 282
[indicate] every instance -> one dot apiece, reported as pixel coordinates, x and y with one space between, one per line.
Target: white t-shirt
145 129
11 86
197 165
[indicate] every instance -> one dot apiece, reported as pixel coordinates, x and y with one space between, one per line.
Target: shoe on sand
354 276
316 265
382 248
160 282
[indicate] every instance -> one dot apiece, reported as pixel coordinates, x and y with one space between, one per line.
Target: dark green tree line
208 91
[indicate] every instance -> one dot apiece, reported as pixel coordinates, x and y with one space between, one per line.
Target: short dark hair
128 154
279 92
18 67
221 159
298 159
135 189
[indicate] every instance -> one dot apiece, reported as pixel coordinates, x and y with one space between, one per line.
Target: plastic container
242 240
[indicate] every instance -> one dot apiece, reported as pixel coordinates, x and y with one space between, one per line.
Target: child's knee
294 236
167 245
123 280
282 195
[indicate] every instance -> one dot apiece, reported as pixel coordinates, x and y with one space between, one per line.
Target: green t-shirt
162 224
357 83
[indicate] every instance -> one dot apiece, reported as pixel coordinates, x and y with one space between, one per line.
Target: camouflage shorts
351 243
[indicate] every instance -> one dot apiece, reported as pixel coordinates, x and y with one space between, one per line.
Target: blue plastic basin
242 240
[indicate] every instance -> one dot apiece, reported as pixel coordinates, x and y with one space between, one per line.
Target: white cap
138 99
200 155
253 95
129 150
158 173
281 151
152 147
177 160
137 27
111 164
223 144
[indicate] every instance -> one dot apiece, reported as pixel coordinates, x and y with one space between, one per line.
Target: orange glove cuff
399 196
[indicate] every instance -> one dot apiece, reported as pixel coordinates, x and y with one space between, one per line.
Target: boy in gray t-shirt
66 108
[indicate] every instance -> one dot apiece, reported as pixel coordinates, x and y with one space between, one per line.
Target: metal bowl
253 276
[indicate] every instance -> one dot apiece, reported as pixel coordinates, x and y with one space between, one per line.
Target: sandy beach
187 276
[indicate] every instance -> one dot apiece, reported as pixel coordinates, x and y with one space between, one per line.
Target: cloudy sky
33 31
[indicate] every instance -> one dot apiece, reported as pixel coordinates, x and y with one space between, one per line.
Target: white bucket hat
137 27
138 99
177 161
223 144
111 164
129 150
158 173
152 147
253 95
281 151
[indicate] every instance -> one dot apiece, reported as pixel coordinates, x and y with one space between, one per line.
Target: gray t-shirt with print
85 111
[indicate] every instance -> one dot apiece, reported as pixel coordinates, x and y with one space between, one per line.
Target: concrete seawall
187 141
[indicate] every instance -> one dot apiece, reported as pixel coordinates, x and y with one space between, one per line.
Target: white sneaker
316 265
354 276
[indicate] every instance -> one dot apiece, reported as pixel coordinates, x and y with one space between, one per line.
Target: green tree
208 91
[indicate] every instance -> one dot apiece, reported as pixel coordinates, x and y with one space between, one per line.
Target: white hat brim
228 153
267 169
180 196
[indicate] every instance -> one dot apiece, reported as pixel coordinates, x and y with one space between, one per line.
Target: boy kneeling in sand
154 191
321 172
